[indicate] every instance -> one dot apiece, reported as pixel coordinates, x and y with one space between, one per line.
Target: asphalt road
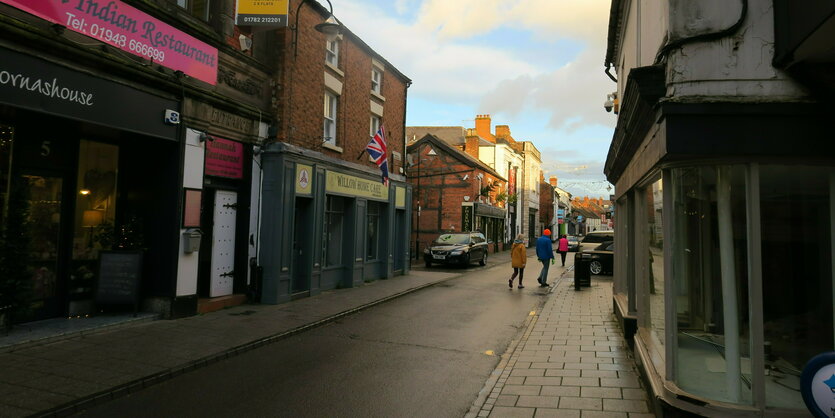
427 354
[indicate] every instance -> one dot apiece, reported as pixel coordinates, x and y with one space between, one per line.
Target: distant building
453 192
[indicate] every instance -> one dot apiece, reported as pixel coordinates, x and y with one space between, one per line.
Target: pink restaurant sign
130 30
224 158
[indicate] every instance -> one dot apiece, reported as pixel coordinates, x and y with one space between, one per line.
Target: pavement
570 360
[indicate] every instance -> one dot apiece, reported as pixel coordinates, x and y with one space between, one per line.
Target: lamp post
330 27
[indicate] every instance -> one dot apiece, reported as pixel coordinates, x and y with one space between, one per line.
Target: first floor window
331 105
375 124
334 220
197 8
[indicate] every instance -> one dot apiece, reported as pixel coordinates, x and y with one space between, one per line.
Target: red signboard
131 30
224 158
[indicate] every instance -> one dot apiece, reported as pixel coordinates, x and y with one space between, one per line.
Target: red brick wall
439 189
302 88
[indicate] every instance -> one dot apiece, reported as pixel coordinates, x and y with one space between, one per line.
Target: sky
534 65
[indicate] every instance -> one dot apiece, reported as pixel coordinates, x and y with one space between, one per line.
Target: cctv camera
608 105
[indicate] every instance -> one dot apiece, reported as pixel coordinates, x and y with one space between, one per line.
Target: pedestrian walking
545 254
562 248
518 257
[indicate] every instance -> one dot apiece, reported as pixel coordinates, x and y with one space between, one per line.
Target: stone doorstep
206 305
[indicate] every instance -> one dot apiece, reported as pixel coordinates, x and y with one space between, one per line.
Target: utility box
582 275
191 240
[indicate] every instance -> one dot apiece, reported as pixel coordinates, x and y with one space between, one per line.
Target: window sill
335 69
331 147
378 95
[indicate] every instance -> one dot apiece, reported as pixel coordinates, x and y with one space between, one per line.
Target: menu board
119 275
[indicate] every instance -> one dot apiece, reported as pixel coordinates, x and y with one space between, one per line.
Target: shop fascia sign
346 184
130 30
261 13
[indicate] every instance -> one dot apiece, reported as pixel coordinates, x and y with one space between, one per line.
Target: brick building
332 222
453 192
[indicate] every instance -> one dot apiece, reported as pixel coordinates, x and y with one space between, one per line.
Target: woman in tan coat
518 257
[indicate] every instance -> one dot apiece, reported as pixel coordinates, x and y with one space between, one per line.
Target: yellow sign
304 179
400 197
355 186
262 13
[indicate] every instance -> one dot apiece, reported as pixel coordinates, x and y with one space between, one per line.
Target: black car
457 248
602 258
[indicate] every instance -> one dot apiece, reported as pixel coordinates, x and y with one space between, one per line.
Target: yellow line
532 313
490 353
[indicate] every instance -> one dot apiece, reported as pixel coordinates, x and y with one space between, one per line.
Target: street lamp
330 27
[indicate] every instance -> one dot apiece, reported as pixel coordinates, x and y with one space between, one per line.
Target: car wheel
428 264
595 267
483 260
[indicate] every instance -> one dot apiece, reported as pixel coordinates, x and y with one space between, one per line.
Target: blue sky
535 65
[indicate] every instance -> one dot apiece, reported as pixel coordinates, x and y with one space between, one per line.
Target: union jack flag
379 152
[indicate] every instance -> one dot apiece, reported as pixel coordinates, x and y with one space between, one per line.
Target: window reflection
710 265
655 266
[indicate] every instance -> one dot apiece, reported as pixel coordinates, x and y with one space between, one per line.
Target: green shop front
328 224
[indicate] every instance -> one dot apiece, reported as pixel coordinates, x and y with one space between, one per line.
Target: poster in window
191 208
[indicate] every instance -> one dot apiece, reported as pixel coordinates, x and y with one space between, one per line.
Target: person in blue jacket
545 254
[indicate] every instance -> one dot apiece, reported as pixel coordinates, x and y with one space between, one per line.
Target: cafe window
334 226
373 238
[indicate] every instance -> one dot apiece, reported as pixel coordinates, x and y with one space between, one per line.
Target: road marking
490 353
532 313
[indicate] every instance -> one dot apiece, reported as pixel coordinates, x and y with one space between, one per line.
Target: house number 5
45 148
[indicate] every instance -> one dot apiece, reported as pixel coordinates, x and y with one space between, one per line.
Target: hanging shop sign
43 86
355 186
124 27
261 13
224 158
304 180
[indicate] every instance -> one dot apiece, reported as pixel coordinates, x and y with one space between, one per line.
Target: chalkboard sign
119 274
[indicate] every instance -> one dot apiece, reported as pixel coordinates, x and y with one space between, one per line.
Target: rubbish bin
582 276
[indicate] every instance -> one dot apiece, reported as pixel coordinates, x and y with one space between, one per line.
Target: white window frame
331 107
332 52
376 121
376 80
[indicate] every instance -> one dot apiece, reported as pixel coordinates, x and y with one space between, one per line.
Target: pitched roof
454 152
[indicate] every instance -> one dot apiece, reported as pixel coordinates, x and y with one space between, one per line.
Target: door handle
228 273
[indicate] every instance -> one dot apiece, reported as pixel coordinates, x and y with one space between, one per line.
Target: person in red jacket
563 248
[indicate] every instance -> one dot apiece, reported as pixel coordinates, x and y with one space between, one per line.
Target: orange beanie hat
546 232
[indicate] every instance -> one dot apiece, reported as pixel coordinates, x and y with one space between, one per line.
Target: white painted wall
732 67
192 179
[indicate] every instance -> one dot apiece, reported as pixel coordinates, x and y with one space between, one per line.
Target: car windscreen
452 239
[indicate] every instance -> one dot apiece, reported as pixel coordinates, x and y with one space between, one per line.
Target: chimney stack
553 181
471 143
483 126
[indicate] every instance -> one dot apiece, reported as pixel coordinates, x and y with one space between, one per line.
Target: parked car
602 258
457 248
573 243
595 238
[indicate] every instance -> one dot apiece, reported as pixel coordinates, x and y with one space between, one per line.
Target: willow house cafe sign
130 30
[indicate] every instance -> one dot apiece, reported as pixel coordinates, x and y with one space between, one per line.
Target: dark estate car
602 258
457 248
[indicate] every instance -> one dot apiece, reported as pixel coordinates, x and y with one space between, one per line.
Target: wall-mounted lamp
330 27
205 137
